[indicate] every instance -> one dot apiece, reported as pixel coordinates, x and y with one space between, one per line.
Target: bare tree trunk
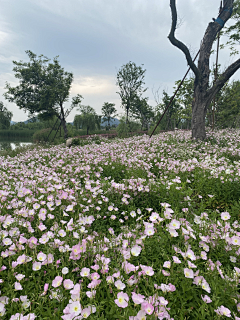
203 95
64 123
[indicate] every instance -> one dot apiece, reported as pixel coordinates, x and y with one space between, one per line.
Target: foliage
233 31
5 117
141 110
228 106
87 119
173 116
108 111
130 82
155 222
42 89
123 129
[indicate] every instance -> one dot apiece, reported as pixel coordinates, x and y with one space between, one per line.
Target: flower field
132 229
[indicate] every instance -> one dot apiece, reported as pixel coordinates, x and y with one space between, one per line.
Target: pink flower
91 294
74 309
148 270
165 273
167 264
222 311
176 260
41 256
18 286
235 240
36 266
163 301
188 273
128 267
225 216
95 276
149 231
122 300
94 284
190 254
135 251
137 298
76 289
86 312
85 272
57 281
206 299
148 308
68 284
119 284
141 315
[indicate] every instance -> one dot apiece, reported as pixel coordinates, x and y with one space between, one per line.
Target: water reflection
7 145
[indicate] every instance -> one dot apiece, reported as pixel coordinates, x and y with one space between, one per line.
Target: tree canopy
5 117
108 111
88 119
43 88
130 82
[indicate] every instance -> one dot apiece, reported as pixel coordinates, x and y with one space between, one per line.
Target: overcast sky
94 38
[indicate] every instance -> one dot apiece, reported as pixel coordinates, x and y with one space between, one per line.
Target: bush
124 129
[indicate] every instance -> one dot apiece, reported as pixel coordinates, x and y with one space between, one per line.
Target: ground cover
132 228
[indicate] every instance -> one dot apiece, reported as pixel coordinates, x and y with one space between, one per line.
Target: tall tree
43 89
130 81
87 119
108 111
203 94
173 114
141 110
5 117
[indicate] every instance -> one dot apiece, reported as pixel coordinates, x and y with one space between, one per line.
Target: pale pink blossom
68 284
18 286
137 298
85 272
206 299
122 300
119 284
57 281
188 273
222 311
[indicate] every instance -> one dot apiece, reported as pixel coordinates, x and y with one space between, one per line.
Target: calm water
13 144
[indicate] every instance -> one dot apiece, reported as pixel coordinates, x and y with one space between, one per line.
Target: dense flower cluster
120 228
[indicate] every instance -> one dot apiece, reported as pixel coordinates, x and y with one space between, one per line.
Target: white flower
75 308
65 270
133 214
119 284
41 256
135 251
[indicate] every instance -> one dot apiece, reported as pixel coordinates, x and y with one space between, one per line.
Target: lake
13 143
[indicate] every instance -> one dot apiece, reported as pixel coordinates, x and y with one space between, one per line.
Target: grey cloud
94 38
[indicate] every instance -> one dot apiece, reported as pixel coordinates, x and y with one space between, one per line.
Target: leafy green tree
172 117
141 110
230 97
184 97
130 82
43 88
108 111
88 119
5 117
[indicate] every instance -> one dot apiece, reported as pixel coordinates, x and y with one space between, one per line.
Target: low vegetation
133 228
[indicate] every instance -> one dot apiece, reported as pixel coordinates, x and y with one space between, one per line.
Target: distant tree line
45 87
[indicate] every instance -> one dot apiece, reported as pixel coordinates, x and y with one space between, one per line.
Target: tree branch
223 78
178 43
208 39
